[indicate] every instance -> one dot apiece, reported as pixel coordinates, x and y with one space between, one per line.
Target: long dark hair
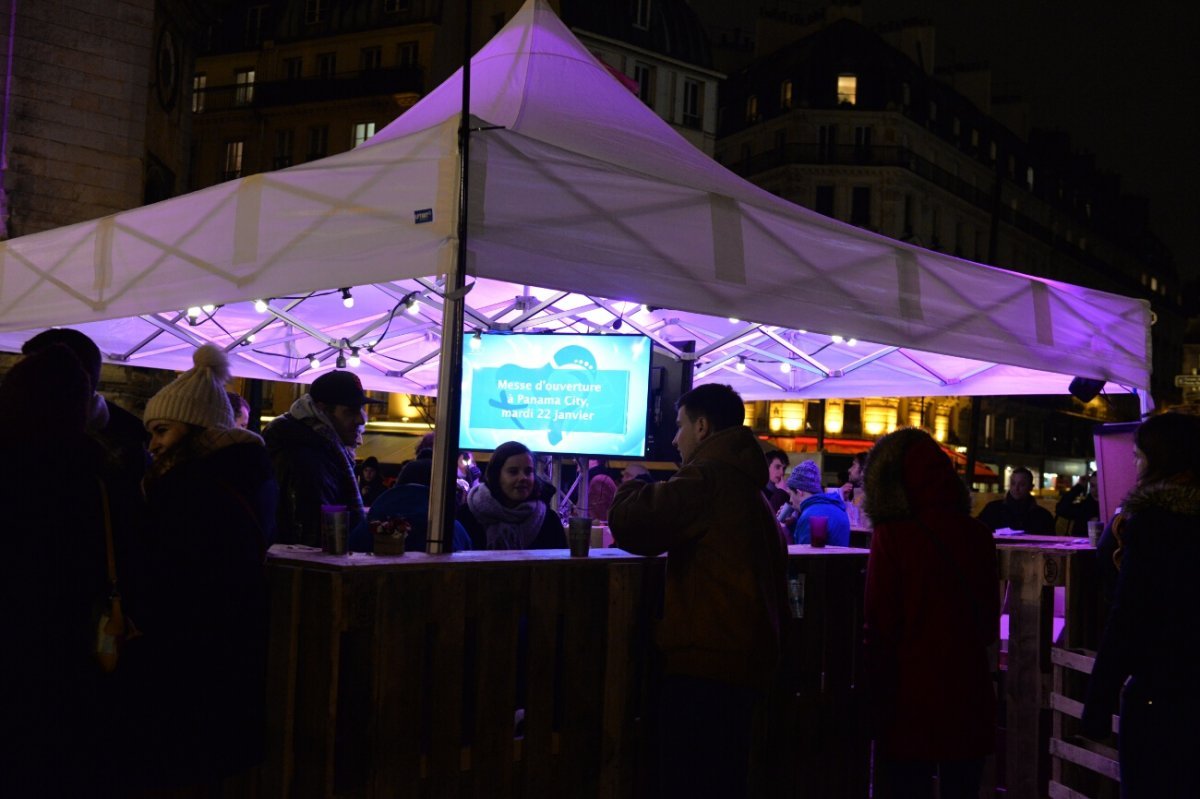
1170 444
187 448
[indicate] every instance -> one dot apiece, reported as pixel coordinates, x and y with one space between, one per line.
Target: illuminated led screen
556 393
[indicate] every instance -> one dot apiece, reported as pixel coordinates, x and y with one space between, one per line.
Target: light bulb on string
476 341
314 362
347 298
208 309
249 339
836 339
355 361
785 367
260 306
340 363
740 365
853 342
193 313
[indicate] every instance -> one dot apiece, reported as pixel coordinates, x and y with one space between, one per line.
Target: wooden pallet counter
1031 568
495 674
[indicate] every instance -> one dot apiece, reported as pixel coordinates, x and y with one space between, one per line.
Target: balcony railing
348 85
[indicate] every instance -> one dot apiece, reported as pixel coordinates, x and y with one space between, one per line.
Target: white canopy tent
585 208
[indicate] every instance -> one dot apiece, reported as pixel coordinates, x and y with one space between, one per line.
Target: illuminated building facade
858 125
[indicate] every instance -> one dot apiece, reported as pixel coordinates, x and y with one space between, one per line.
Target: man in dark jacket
1018 510
312 448
725 590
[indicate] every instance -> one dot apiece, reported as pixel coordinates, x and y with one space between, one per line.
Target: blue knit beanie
806 477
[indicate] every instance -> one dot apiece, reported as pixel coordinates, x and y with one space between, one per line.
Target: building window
862 143
641 14
847 89
406 54
318 142
827 142
974 138
643 75
315 11
824 200
254 23
199 84
1029 177
1154 284
693 112
293 68
370 58
284 143
785 94
363 131
244 80
233 159
752 108
992 151
326 65
860 206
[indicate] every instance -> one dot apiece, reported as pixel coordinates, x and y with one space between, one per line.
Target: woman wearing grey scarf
507 510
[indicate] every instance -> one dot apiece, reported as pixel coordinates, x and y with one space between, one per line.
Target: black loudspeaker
1085 389
669 380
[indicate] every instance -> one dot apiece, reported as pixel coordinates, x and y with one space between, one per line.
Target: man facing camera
725 590
1018 510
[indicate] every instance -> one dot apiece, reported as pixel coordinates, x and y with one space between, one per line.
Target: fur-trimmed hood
1181 498
907 473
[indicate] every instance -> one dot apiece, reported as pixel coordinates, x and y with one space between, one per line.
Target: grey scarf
305 411
507 528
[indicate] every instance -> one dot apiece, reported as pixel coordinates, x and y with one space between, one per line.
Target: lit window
244 80
1154 284
785 94
692 94
847 89
315 11
363 131
641 14
199 82
752 108
233 159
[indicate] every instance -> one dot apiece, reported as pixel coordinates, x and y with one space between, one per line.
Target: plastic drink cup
818 528
335 521
1095 528
579 536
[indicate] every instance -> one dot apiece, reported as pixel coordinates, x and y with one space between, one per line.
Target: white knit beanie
198 395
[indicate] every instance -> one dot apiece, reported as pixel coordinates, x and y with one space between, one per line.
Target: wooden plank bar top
529 674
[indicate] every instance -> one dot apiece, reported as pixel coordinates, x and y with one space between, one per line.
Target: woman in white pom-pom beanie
201 597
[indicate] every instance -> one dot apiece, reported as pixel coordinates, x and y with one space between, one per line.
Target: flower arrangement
388 535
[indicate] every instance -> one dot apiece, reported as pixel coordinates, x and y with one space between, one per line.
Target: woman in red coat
932 612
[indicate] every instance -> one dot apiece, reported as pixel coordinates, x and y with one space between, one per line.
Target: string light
208 309
249 339
740 365
411 304
260 306
853 342
314 362
347 298
785 367
340 363
836 339
355 361
476 341
193 313
733 320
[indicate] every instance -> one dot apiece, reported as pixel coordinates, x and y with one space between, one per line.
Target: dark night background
1119 78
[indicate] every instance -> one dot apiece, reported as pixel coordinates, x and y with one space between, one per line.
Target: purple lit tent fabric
584 207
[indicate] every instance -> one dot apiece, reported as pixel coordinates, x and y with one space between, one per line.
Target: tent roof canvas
584 207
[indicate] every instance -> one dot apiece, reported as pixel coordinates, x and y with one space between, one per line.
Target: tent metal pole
442 500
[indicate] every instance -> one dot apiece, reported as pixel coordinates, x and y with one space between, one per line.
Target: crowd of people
158 531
